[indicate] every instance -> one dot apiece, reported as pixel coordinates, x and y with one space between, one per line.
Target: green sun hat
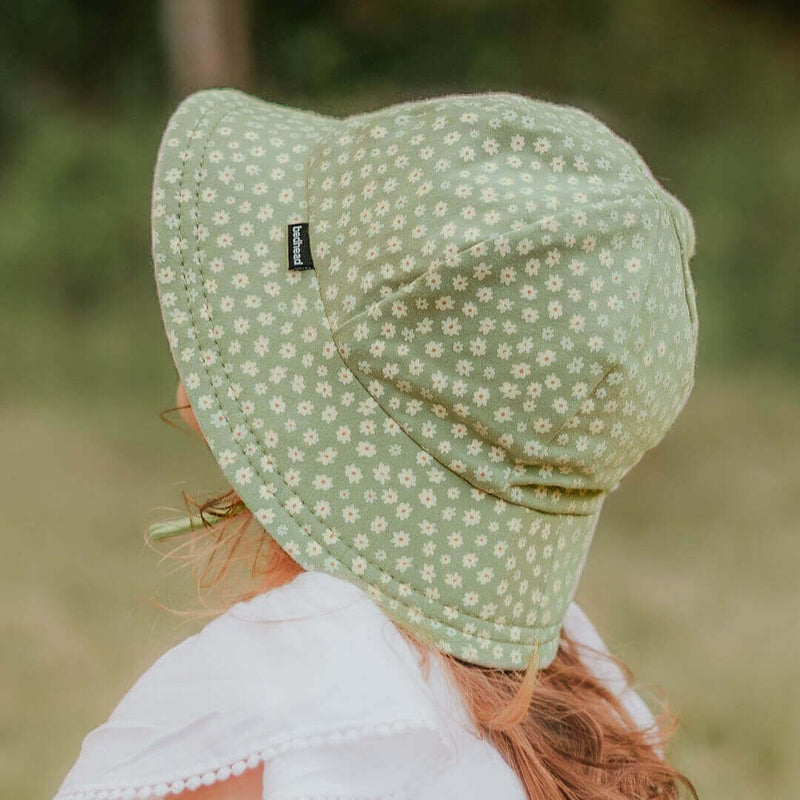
425 342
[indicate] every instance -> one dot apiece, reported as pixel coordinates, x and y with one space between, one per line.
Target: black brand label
299 247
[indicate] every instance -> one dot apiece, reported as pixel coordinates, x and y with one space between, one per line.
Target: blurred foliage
73 207
706 91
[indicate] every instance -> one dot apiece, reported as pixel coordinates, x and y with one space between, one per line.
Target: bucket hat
425 342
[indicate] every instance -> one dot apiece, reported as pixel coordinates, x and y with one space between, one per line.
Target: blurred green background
693 574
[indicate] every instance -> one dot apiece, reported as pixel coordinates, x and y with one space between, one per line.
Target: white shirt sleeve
316 684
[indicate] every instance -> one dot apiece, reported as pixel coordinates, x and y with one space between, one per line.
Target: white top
313 680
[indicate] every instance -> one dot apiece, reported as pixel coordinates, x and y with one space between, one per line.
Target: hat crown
510 284
500 322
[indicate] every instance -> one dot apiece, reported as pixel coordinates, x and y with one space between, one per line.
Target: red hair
565 734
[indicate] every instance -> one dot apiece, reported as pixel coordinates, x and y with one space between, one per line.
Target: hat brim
296 434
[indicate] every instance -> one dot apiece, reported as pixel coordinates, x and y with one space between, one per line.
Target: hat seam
482 621
650 191
684 271
416 107
661 196
404 290
609 363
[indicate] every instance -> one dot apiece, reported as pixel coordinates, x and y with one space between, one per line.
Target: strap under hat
165 529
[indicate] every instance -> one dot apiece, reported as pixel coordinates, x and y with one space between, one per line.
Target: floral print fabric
500 321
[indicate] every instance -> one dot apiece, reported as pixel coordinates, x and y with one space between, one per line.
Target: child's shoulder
311 664
312 680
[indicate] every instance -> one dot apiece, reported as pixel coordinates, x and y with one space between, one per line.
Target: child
423 344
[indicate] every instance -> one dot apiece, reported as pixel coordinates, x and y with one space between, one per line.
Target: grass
691 578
